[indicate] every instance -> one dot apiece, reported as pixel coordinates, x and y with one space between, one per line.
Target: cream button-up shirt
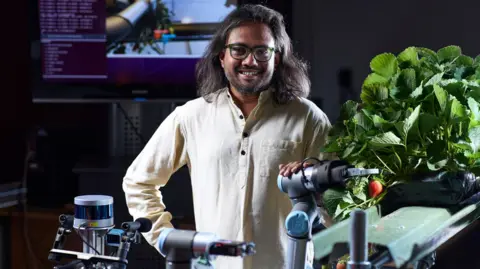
233 163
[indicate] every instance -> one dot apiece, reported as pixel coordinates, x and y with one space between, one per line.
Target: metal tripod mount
180 247
302 188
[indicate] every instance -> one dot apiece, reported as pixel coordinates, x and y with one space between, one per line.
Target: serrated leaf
408 57
474 136
464 60
380 123
407 79
331 147
348 110
434 79
374 93
347 198
455 88
359 189
474 92
375 78
442 97
417 92
348 151
387 139
474 108
428 54
385 65
332 198
363 120
458 110
412 119
448 53
477 60
400 127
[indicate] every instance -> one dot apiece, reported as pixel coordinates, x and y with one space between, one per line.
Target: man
252 117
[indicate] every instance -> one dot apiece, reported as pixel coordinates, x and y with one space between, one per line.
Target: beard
257 84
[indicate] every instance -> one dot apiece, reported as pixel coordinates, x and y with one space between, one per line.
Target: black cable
135 129
88 244
302 168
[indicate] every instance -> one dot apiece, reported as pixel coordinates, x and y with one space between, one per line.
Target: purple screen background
82 25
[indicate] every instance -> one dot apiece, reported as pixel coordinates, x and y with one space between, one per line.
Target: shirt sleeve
164 154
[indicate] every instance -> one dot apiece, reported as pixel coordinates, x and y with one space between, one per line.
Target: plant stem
386 166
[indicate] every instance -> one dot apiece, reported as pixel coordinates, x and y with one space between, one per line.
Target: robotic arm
301 189
181 246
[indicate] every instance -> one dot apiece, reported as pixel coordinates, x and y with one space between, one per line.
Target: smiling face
249 75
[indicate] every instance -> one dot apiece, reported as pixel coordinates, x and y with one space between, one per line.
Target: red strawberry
375 188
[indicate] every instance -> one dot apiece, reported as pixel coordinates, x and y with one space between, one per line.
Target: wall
336 34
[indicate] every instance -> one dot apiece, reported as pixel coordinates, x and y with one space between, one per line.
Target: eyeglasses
241 52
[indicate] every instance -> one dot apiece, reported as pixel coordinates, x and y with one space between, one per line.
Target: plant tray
408 234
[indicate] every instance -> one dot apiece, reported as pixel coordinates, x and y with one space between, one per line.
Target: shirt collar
264 95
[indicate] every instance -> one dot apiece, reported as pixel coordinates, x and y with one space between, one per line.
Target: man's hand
288 169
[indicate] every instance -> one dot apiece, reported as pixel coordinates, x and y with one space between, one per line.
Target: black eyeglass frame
250 51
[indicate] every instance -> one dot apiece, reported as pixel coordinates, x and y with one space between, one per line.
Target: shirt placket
241 177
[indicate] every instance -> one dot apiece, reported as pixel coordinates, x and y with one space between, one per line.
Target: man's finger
307 164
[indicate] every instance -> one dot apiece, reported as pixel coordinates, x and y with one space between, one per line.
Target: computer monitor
124 48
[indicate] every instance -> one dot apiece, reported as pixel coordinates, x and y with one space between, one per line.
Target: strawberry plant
419 112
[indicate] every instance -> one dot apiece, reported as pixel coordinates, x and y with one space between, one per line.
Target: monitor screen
126 42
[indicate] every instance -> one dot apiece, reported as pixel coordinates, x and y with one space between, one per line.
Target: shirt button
242 152
241 117
245 134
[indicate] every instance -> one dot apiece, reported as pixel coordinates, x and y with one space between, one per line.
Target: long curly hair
290 79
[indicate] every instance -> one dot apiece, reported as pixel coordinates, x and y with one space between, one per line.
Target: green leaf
332 147
407 79
348 151
375 78
462 146
455 88
434 79
412 119
363 120
374 93
348 110
477 60
474 136
358 185
332 198
405 84
448 53
385 140
442 97
417 92
474 93
437 165
385 65
381 123
426 122
474 108
428 54
464 60
408 57
458 111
